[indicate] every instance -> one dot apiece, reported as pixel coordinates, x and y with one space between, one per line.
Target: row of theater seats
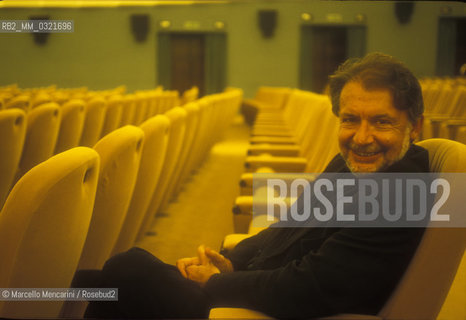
36 124
81 206
298 133
445 108
295 131
13 97
297 136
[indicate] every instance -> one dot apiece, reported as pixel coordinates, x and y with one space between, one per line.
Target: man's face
373 133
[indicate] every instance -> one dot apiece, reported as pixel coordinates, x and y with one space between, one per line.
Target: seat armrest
277 150
231 240
246 181
268 121
260 105
278 164
243 205
435 117
348 316
456 122
241 313
273 140
270 126
277 132
236 313
246 204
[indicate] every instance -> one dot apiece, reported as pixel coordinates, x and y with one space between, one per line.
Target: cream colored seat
43 226
177 117
43 123
189 95
128 109
71 126
140 108
120 153
152 101
425 284
191 126
200 144
2 101
93 122
461 135
40 98
112 114
153 154
268 103
12 133
215 114
168 100
20 102
318 146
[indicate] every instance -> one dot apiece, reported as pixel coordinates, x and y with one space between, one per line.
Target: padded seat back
140 108
20 102
120 153
12 133
43 123
112 114
177 117
128 108
43 226
93 122
71 126
190 95
425 284
152 157
192 119
40 98
273 97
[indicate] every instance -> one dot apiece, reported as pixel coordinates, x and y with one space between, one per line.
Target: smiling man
379 103
299 272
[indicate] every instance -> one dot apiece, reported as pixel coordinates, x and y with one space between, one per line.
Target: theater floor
201 213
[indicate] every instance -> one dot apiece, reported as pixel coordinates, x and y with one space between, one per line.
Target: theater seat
128 109
191 122
112 114
93 122
43 123
425 284
189 95
141 107
177 117
12 133
152 158
120 153
43 226
461 135
20 102
41 97
71 126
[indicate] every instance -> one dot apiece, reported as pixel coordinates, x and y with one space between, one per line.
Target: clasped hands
202 267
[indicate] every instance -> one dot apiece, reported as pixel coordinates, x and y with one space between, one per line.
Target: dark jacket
311 272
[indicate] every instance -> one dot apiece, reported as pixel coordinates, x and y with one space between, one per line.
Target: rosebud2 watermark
363 200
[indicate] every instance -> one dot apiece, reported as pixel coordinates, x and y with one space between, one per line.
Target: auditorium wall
102 53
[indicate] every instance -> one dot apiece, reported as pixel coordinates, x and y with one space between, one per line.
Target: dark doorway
192 59
187 61
324 48
460 54
451 47
329 52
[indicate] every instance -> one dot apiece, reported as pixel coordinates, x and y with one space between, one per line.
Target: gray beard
404 149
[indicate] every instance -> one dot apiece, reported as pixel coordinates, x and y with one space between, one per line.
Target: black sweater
313 272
